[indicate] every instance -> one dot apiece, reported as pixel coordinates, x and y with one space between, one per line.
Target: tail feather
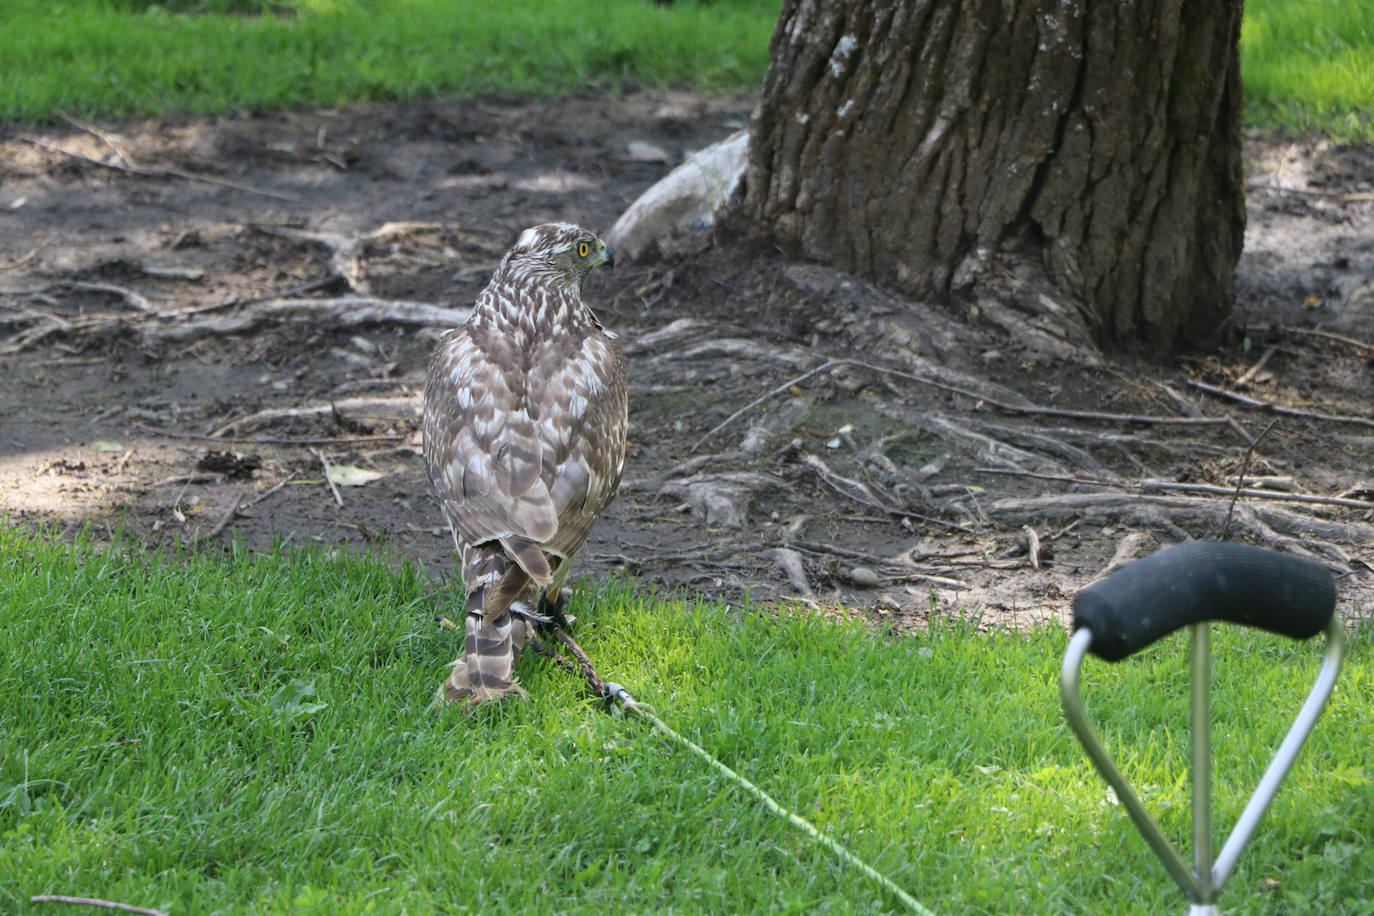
486 671
531 565
530 557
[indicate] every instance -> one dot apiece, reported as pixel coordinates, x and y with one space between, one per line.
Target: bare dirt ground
197 315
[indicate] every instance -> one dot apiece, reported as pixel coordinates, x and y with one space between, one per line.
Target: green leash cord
615 691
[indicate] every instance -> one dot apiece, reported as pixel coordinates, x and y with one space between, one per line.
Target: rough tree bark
1078 159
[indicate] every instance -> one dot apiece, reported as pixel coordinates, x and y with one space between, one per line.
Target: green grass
253 733
1308 64
92 57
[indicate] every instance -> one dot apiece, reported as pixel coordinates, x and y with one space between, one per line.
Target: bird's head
561 249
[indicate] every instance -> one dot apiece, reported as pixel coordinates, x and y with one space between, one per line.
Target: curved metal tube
1287 753
1201 886
1087 735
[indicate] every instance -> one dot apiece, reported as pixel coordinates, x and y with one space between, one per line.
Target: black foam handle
1204 580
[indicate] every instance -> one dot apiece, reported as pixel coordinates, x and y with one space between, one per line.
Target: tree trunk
1079 159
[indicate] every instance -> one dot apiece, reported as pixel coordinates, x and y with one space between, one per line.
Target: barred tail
486 670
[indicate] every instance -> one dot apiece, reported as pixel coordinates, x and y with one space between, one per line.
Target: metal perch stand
1190 585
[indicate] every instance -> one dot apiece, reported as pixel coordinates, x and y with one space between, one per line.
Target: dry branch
1339 196
36 334
1167 486
1207 489
347 251
1244 469
344 311
1364 345
23 259
158 172
1266 525
1258 366
1278 408
186 478
263 440
1057 478
338 498
316 410
223 522
259 498
137 300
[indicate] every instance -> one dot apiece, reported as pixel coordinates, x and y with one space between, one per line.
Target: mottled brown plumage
524 438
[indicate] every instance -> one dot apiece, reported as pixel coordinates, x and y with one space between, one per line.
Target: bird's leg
594 680
551 605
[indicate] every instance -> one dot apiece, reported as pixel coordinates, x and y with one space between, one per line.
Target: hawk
524 438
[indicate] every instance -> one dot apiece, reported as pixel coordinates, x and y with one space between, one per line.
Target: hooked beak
607 256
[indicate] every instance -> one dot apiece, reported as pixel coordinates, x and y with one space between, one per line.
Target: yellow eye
583 249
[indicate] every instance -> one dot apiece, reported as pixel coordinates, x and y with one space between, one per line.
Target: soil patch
198 315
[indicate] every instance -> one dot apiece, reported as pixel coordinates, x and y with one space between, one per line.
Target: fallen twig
186 478
1188 407
263 440
1278 408
338 498
1058 478
1147 486
1210 490
333 407
158 172
38 333
1341 196
347 250
1266 482
137 300
92 901
281 483
222 523
103 136
344 311
946 581
23 259
1258 366
1244 469
1324 335
1180 516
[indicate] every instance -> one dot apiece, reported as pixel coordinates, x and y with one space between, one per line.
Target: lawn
243 732
238 732
1308 64
92 57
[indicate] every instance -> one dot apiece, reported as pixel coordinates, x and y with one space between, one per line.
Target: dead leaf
643 151
347 475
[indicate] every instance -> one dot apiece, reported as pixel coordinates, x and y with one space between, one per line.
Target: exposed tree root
345 408
1267 526
1118 477
345 311
146 172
